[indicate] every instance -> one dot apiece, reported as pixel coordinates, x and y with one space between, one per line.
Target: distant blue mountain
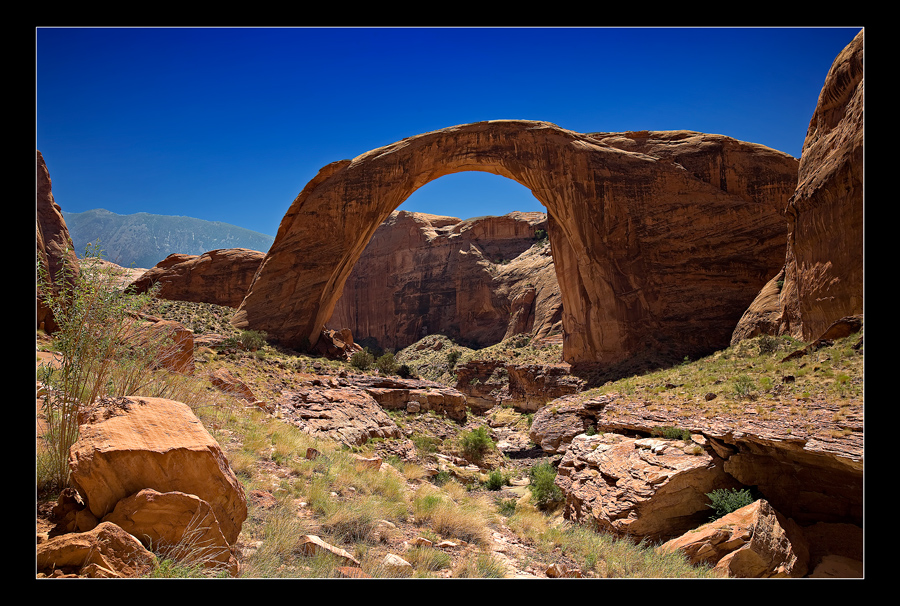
143 240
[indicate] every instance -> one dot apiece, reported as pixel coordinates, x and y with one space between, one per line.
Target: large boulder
643 488
129 444
220 276
754 541
342 413
177 525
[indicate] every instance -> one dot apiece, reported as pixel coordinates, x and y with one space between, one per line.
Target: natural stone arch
649 255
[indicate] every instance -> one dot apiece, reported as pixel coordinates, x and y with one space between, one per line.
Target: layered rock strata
476 281
648 255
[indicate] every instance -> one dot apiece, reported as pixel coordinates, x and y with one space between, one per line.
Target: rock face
54 246
646 252
524 387
810 469
219 276
645 488
478 281
823 269
130 444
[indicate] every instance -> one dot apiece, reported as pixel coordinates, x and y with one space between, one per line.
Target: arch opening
478 276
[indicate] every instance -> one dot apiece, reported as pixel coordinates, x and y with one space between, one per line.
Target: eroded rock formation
478 281
53 243
822 279
648 254
219 276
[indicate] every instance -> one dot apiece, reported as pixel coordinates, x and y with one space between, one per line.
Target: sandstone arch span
660 240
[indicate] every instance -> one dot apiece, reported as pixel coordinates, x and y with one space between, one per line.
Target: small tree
362 360
544 491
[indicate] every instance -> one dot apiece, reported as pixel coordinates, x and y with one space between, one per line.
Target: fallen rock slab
107 551
754 541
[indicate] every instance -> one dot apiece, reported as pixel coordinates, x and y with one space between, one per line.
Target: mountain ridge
144 239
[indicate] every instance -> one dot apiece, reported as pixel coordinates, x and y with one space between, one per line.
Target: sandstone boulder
129 444
643 488
177 525
554 426
336 344
753 542
221 276
311 545
414 395
106 551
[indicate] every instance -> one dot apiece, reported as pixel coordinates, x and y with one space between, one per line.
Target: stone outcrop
337 344
130 444
414 395
648 255
754 541
344 414
643 488
221 277
823 268
54 248
810 468
477 281
523 387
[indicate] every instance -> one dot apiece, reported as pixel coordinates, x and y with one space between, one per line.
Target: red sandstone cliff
479 280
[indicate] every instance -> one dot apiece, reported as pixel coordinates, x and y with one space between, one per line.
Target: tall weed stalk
102 351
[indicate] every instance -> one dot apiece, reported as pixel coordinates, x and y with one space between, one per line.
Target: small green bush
386 364
474 443
362 360
453 357
252 340
496 480
544 491
743 386
672 433
724 501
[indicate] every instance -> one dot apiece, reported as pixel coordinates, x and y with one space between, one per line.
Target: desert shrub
724 501
476 442
672 433
404 371
102 351
453 357
362 360
386 364
743 386
252 340
496 480
544 492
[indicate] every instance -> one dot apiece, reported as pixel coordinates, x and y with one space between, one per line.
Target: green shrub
362 360
386 364
103 351
724 501
252 340
476 442
453 357
496 480
672 433
544 492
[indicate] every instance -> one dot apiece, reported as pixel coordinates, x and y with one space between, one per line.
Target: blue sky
230 124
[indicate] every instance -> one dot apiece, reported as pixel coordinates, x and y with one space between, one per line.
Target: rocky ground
821 399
